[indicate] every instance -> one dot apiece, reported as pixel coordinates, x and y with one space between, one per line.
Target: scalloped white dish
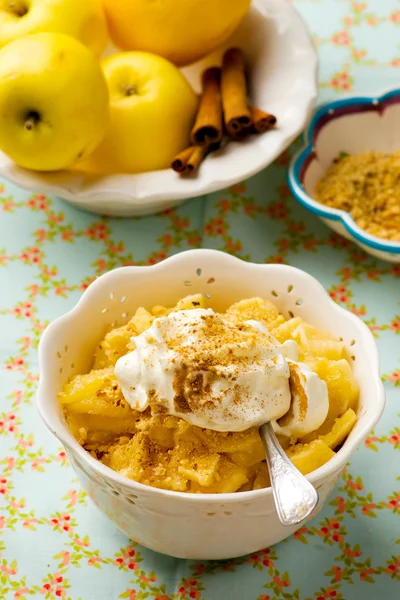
283 67
354 124
197 526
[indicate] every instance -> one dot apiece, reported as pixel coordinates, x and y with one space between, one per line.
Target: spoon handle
295 497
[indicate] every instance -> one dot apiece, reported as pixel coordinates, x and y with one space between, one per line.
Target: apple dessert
176 396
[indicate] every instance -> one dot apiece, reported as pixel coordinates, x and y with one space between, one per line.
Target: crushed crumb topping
368 187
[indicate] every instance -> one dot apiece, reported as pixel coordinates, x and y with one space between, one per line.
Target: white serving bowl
194 526
353 124
283 66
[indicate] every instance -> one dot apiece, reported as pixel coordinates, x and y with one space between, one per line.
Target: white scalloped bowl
195 526
283 66
353 124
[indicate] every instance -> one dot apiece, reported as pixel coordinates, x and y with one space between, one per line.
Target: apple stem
130 90
32 119
30 124
18 8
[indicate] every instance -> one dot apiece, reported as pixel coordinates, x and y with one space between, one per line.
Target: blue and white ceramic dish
351 125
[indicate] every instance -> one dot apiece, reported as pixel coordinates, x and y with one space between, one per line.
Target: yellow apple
152 109
53 101
180 30
82 19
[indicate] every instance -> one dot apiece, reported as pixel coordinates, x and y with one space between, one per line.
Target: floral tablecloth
53 542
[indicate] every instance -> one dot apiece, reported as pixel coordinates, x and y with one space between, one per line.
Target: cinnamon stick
261 120
196 158
208 126
180 161
189 159
237 115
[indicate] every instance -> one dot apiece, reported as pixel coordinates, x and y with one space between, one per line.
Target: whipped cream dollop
199 366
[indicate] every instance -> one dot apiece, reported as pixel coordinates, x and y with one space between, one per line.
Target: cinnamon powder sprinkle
217 338
204 360
368 187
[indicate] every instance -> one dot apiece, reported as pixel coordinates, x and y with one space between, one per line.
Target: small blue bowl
352 125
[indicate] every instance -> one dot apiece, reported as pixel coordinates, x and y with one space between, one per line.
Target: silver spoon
295 498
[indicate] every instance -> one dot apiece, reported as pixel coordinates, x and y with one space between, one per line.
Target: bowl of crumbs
158 381
348 171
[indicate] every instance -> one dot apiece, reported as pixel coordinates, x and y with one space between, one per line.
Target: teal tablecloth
53 542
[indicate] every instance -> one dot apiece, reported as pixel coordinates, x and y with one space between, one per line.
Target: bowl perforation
122 299
187 283
291 315
299 302
104 310
124 315
111 295
290 288
208 295
274 293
